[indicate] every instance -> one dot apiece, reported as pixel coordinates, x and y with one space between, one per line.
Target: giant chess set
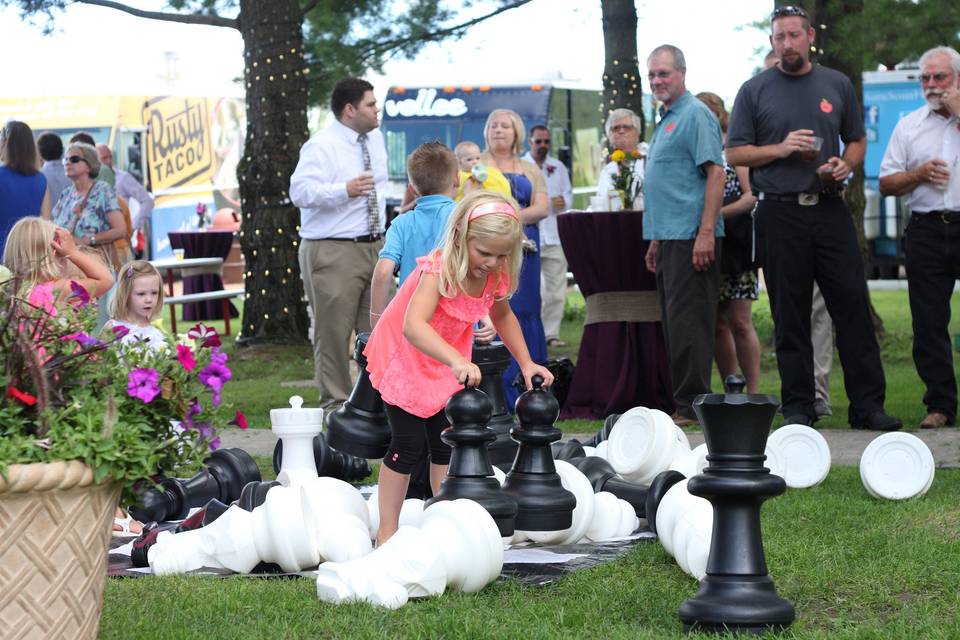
638 473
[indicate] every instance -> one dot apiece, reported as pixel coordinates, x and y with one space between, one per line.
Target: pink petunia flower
120 331
142 384
185 356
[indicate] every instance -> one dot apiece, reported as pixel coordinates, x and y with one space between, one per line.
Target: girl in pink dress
44 257
419 352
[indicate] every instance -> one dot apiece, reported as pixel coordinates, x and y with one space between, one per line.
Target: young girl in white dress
138 300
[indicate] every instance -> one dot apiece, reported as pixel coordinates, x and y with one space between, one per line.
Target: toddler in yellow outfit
474 175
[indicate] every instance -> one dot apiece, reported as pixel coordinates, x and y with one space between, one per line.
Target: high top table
203 243
623 360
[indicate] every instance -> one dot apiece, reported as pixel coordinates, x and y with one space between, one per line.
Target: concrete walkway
846 445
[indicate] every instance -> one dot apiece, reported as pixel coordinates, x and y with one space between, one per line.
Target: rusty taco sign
179 152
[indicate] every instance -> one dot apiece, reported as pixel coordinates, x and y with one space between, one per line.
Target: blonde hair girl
137 301
41 254
419 353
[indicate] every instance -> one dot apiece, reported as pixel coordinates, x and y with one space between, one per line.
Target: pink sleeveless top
406 377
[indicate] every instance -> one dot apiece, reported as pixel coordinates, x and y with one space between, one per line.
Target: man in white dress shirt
922 162
623 132
339 185
553 264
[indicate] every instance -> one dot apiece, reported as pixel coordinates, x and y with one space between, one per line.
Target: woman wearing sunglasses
23 189
89 210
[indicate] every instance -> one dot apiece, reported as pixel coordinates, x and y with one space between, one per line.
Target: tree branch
187 18
379 48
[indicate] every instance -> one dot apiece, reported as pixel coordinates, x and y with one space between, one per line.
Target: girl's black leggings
411 438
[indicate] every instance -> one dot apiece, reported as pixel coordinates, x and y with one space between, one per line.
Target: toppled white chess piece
297 527
281 530
456 545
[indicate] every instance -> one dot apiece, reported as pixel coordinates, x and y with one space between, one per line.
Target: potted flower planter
54 533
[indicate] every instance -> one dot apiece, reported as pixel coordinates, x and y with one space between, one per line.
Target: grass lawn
854 567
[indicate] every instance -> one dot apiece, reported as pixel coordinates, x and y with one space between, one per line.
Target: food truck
184 149
452 114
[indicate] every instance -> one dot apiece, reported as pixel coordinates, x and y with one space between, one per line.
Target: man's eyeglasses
540 141
73 159
789 10
622 128
936 77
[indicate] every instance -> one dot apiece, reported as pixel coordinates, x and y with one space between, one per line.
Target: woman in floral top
89 209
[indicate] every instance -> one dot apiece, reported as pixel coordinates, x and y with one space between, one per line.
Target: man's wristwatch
93 240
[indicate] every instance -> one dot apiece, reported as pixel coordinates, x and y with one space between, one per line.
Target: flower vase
55 524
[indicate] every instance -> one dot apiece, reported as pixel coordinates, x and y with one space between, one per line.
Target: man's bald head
106 156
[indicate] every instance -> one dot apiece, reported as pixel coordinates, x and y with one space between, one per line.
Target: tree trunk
826 13
276 93
621 75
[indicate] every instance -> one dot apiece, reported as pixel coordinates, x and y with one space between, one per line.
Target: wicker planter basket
54 533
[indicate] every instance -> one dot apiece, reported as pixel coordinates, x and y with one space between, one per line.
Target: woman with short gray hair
623 129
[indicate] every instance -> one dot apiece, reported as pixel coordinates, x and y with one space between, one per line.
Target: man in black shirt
786 126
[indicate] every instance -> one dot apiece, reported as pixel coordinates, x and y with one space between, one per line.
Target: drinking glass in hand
811 153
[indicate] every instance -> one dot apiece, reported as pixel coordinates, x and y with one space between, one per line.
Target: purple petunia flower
214 376
142 384
85 340
192 410
80 293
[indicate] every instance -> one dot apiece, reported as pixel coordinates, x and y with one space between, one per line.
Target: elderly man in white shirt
338 185
922 162
623 132
553 264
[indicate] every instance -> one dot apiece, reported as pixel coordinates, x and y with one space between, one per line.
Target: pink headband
492 209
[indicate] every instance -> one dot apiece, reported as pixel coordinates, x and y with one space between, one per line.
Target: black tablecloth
621 364
203 244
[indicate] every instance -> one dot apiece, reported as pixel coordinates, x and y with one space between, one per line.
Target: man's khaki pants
336 277
553 288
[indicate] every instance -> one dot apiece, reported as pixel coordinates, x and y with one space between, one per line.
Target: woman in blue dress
504 134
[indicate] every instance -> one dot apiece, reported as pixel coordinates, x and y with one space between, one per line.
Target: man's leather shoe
683 421
877 421
934 420
799 418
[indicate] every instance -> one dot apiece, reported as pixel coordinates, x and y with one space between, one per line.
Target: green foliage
888 32
70 396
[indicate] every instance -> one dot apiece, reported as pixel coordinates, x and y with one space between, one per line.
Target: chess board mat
570 558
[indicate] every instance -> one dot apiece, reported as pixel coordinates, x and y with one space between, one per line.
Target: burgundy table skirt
621 364
203 244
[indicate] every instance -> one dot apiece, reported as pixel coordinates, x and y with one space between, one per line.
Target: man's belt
943 215
370 237
803 199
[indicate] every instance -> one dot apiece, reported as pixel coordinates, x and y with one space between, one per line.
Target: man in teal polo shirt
682 193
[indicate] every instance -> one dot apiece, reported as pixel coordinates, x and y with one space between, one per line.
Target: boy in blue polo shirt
432 169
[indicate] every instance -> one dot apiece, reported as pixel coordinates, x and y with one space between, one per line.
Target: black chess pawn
359 427
225 473
737 594
493 359
604 431
734 383
470 474
330 462
603 478
568 450
543 504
